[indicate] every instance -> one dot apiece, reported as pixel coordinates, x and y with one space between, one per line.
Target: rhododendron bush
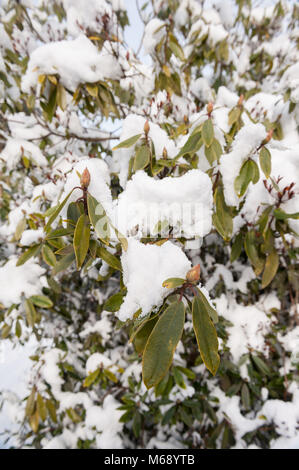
149 223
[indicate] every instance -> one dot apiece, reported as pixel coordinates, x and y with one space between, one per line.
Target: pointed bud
241 99
269 135
164 152
85 178
210 107
194 274
146 127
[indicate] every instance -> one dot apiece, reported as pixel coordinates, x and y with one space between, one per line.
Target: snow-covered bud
193 274
85 178
241 99
210 107
146 127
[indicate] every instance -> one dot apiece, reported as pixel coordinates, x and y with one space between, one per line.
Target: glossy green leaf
57 211
41 301
265 161
81 239
98 218
208 132
32 251
128 142
114 302
173 282
193 144
223 221
206 335
271 267
48 256
213 152
109 258
251 248
161 344
142 157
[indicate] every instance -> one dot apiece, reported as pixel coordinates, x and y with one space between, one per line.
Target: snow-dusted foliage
149 223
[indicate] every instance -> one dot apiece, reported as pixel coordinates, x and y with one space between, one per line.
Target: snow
153 33
63 57
244 146
31 236
131 126
106 421
98 186
185 202
16 148
97 360
27 279
145 267
249 327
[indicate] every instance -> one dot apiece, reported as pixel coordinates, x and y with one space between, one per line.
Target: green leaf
5 331
98 218
234 115
48 256
41 407
142 158
64 263
92 90
41 301
81 239
245 395
192 145
109 258
32 251
265 161
208 132
281 215
143 333
57 211
260 364
173 282
242 181
52 410
91 378
251 248
162 342
20 229
223 220
271 266
30 311
206 335
176 49
207 306
213 152
30 404
18 329
114 302
128 142
236 247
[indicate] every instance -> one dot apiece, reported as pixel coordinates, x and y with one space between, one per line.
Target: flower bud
85 178
146 127
269 135
241 99
210 107
193 274
164 152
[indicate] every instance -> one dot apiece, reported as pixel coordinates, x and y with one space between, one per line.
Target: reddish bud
269 135
193 274
241 99
210 107
85 178
146 127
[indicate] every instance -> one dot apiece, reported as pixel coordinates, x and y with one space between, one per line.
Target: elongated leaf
141 337
64 263
192 145
142 158
81 239
98 218
109 258
91 378
57 211
30 404
271 266
206 304
213 152
173 282
160 347
176 49
41 407
41 301
32 251
30 311
48 256
251 249
224 218
281 215
242 181
114 302
236 247
265 161
128 142
206 335
208 132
